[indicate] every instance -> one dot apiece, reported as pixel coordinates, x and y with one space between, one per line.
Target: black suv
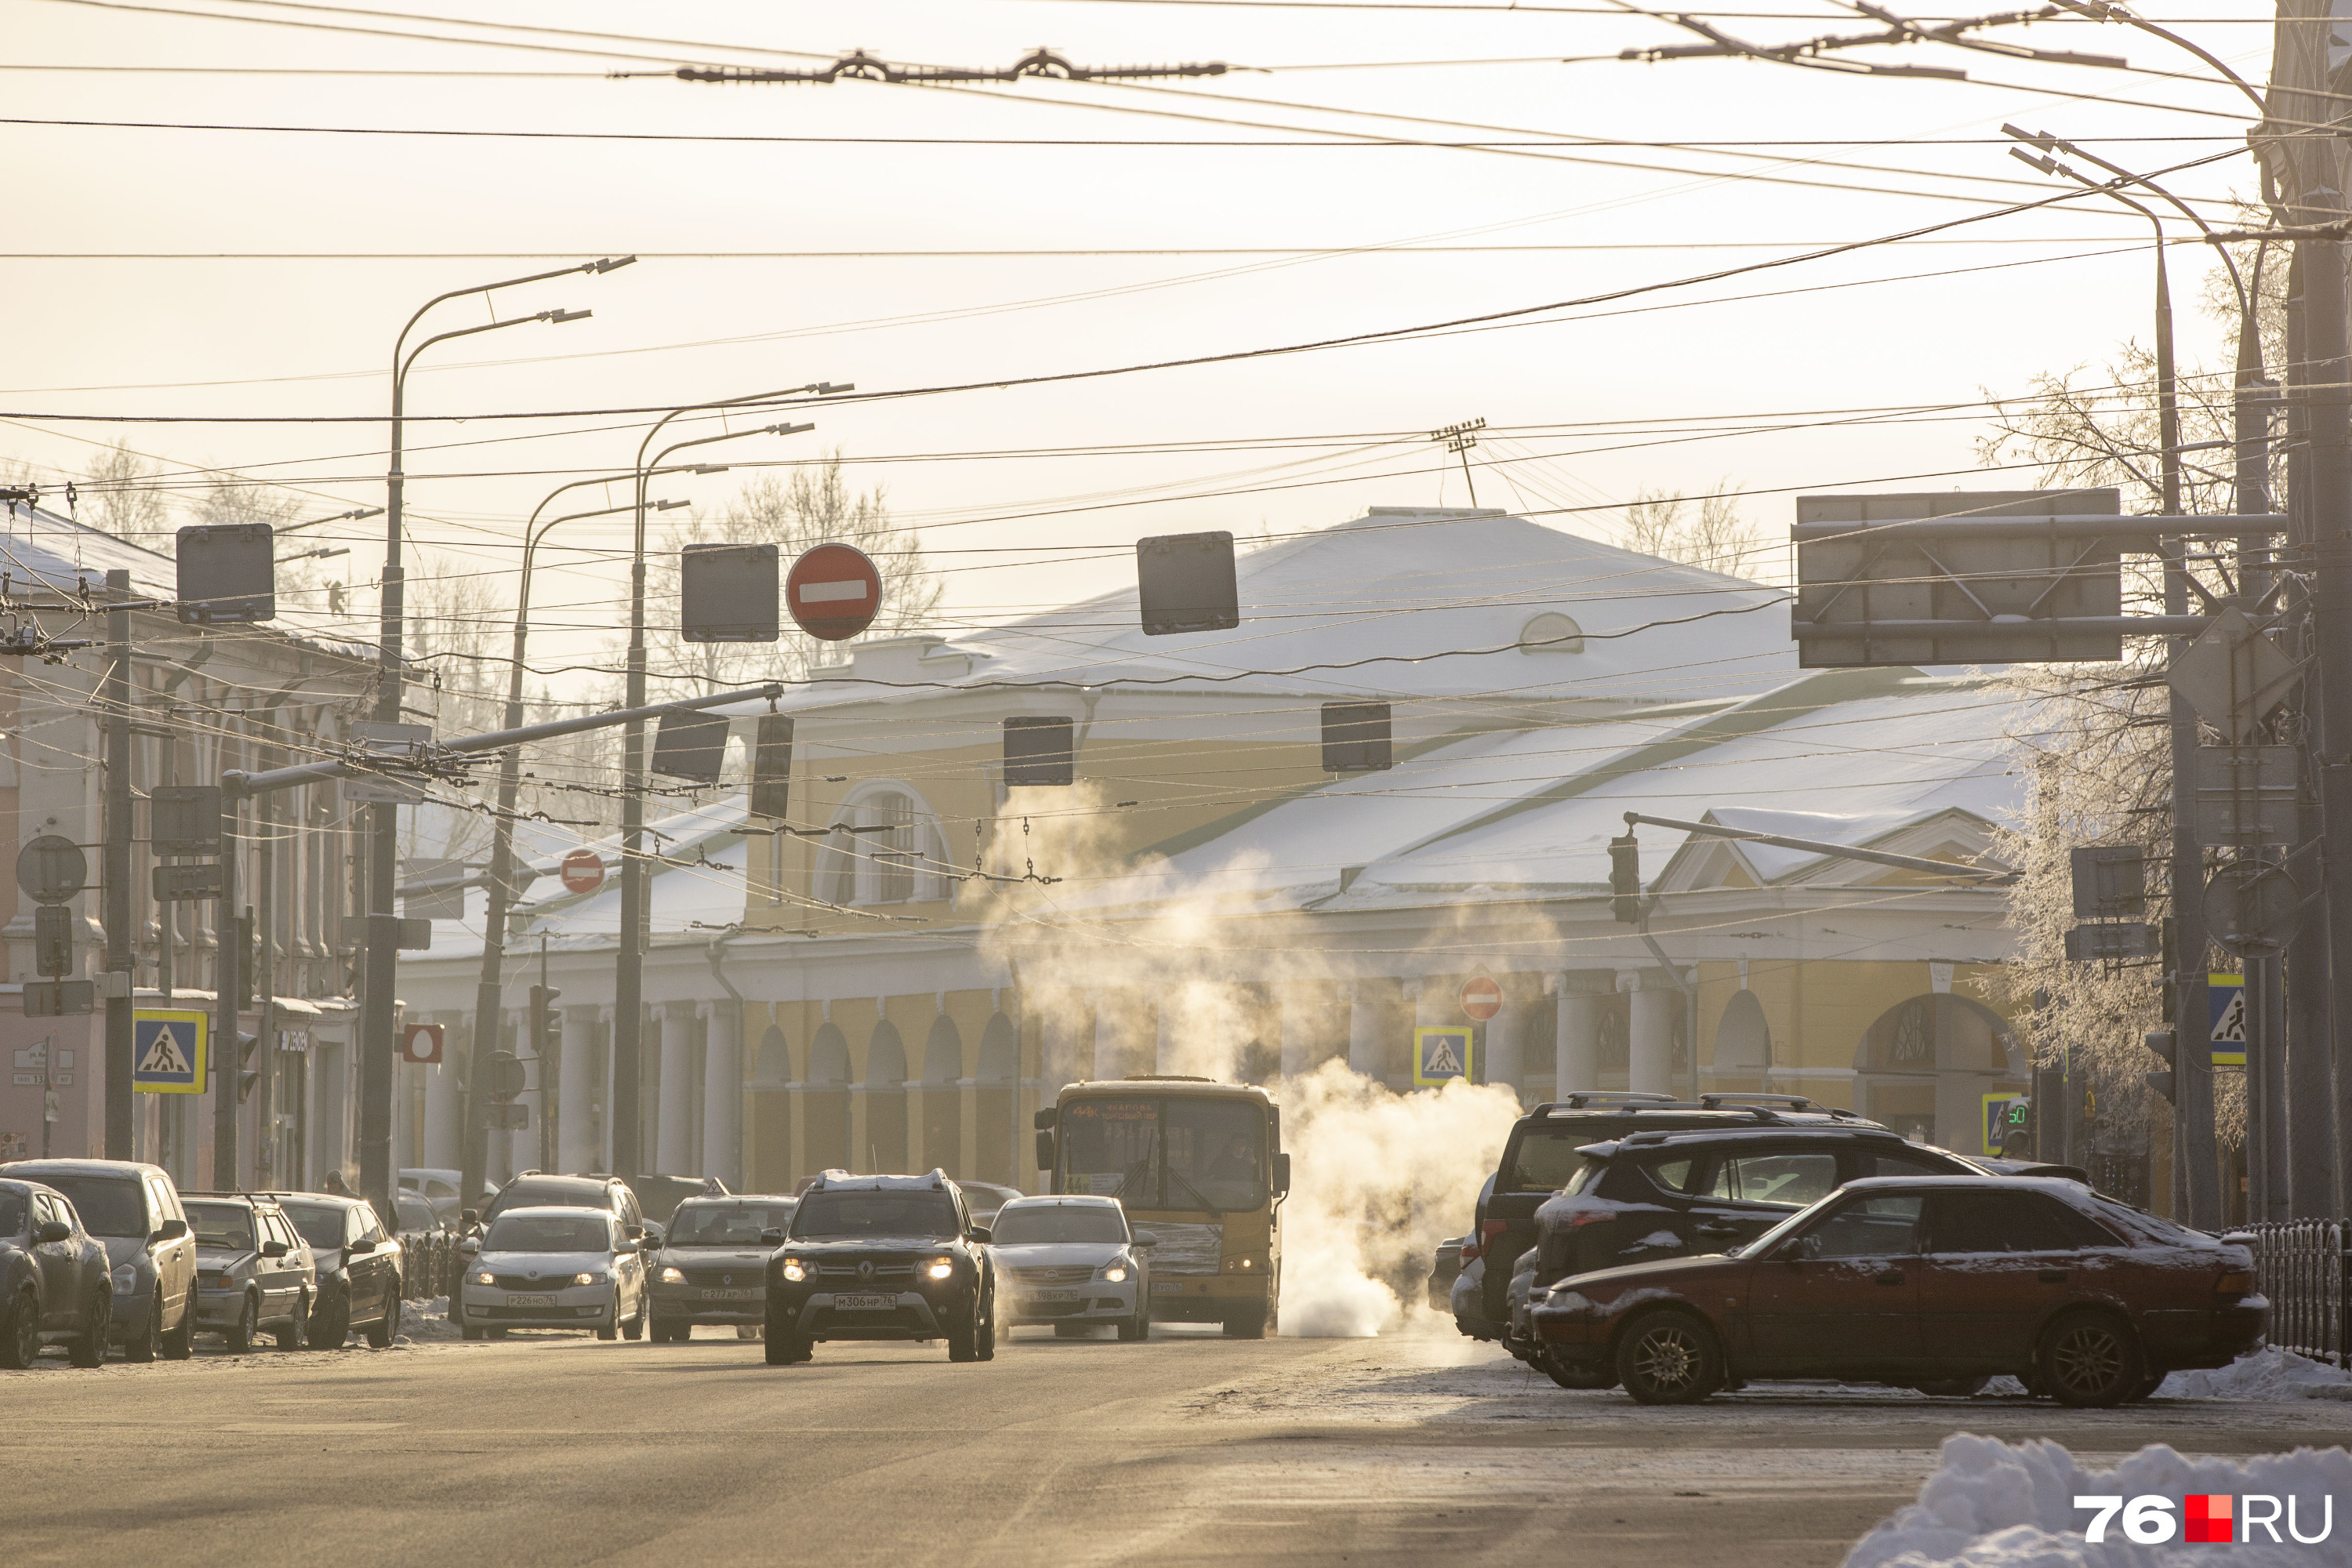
881 1257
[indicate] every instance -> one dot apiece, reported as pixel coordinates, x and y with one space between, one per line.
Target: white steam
1378 1180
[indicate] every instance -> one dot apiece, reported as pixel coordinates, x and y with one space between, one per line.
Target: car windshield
727 1224
1154 1153
12 1214
1024 1225
108 1206
548 1233
222 1225
321 1224
828 1216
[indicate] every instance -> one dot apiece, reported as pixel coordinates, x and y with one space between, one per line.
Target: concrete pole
1367 1051
722 1096
675 1107
1651 1065
1576 1035
114 874
577 1089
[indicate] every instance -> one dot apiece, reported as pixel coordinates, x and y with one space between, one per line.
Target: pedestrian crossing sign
1441 1054
2225 996
167 1052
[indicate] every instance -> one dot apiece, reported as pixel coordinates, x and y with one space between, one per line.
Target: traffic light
2165 1044
772 767
247 1075
546 1023
53 941
248 961
1625 879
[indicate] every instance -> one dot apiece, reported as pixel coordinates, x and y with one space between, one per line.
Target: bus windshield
1151 1152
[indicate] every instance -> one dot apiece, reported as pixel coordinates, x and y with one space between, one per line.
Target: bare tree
1660 523
117 494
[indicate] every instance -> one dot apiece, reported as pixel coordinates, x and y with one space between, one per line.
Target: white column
445 1106
1651 1062
1576 1035
1367 1052
577 1092
1300 1013
722 1096
676 1110
1506 1044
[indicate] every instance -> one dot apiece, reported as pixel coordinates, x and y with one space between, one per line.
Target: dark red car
1931 1282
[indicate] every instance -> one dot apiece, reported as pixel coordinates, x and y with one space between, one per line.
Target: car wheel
2088 1360
148 1342
238 1337
1138 1327
181 1342
1582 1379
1952 1387
635 1328
2148 1385
382 1332
988 1331
89 1347
1249 1323
20 1336
610 1328
330 1325
470 1333
963 1338
780 1346
297 1326
1669 1358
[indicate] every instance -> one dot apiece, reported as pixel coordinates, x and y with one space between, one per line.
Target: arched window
894 856
1552 632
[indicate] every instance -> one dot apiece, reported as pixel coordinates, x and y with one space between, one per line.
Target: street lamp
628 990
382 944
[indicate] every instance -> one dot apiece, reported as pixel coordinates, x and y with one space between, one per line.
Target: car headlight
941 1268
793 1271
672 1277
589 1277
126 1279
1115 1270
486 1277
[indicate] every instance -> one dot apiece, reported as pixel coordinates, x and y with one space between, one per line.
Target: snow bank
2264 1375
1991 1504
422 1322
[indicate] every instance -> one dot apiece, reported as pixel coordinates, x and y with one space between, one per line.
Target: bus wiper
1176 1176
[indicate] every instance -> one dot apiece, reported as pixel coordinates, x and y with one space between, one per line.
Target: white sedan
1071 1261
555 1269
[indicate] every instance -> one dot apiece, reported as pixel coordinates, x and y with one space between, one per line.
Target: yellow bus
1199 1165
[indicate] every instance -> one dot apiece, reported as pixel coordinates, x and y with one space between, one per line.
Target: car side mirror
469 1246
170 1230
653 1236
361 1245
468 1218
771 1236
274 1249
633 1232
1804 1249
52 1230
1281 1174
626 1247
980 1233
1143 1238
1045 1151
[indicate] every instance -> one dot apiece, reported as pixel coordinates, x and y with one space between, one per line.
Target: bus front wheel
1246 1323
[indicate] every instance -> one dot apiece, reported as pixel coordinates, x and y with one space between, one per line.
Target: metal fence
2302 1267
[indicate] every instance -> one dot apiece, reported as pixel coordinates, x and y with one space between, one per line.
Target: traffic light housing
2165 1044
246 1075
1625 879
546 1023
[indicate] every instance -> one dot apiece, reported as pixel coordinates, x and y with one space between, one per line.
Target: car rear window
1546 1159
1673 1173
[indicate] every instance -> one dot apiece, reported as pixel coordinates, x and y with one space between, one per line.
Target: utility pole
228 1063
114 871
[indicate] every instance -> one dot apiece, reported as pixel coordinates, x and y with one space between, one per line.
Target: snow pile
424 1323
1993 1505
2269 1373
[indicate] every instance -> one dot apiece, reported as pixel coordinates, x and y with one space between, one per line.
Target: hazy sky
1046 487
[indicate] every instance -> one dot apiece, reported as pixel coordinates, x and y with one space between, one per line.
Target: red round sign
834 592
1481 998
582 871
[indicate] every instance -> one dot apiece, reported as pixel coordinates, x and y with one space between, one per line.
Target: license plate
1166 1287
530 1300
1055 1295
865 1304
715 1295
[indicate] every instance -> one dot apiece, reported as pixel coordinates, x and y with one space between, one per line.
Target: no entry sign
1481 998
582 871
834 592
421 1044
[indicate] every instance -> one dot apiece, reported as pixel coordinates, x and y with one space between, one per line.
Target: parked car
438 1184
358 1267
540 1189
982 1199
254 1270
1443 1270
658 1196
555 1268
135 1210
428 1249
1073 1262
881 1257
1934 1283
712 1267
55 1281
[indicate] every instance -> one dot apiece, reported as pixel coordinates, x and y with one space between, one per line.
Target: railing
2301 1265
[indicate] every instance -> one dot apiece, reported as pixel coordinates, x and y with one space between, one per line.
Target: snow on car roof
843 1182
1062 1200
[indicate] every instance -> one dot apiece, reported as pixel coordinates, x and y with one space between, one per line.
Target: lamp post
629 981
487 1003
381 945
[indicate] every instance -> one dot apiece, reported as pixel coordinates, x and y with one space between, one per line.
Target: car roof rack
1584 1099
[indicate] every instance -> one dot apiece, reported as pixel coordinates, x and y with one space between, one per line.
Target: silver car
254 1270
1071 1261
713 1266
555 1269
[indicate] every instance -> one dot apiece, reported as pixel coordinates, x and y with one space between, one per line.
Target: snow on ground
2265 1374
1991 1504
427 1322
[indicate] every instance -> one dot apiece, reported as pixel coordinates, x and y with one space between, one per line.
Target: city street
1421 1448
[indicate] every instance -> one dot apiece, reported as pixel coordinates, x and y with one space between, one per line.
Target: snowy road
1419 1449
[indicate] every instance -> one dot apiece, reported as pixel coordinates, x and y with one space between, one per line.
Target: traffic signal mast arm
1842 852
466 745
